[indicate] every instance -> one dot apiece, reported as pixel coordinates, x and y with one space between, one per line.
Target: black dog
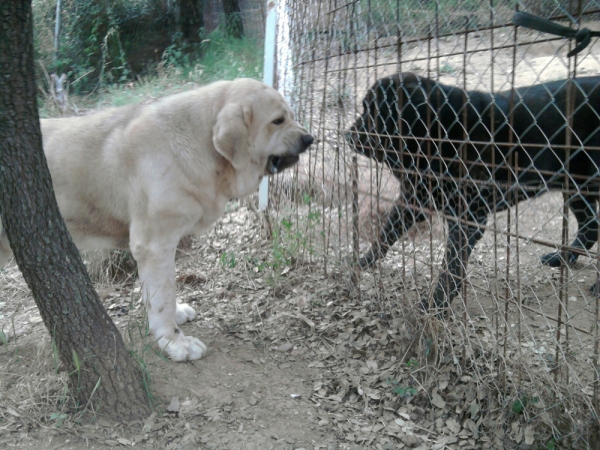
466 153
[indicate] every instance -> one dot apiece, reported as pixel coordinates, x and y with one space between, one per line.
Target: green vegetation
138 332
520 404
228 260
58 419
412 363
223 58
122 51
401 390
294 239
102 42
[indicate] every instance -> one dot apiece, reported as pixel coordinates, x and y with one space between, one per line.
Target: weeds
447 69
520 404
58 419
228 260
401 390
292 241
216 57
412 363
12 321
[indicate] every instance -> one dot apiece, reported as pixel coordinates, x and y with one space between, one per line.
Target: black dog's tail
583 36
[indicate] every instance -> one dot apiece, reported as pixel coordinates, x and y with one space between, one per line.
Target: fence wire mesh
453 188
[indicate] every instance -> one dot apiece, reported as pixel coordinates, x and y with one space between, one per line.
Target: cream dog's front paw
183 313
179 347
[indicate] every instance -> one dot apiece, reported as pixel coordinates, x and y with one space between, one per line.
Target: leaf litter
371 372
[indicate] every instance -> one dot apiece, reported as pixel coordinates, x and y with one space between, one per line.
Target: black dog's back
461 152
540 116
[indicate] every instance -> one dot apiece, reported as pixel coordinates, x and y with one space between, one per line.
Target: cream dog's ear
230 134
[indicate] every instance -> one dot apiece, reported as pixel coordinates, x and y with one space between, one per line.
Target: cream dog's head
256 128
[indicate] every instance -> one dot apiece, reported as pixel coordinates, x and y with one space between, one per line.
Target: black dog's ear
391 86
381 91
410 81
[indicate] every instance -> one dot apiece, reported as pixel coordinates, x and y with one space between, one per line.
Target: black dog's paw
556 260
595 289
366 261
350 262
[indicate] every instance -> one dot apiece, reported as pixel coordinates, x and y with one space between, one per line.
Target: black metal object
583 36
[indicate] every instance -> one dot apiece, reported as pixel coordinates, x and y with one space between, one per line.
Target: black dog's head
406 117
391 118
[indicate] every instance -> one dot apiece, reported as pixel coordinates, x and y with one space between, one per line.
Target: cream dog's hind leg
155 255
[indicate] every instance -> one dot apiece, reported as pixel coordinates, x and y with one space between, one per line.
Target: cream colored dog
141 177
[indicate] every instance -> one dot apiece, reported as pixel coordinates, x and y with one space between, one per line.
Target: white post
269 78
285 77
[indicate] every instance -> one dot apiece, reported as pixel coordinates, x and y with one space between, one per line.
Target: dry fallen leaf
453 426
529 435
191 279
13 412
174 405
285 347
149 423
438 401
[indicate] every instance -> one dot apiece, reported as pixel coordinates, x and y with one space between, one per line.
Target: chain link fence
453 190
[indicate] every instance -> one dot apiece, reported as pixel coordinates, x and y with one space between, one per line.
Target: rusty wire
339 51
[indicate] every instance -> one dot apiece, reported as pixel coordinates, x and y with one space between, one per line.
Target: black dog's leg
401 218
584 208
397 223
461 241
450 280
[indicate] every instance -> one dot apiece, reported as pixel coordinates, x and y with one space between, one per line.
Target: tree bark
233 18
101 370
191 19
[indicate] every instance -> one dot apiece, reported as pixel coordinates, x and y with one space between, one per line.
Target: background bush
115 41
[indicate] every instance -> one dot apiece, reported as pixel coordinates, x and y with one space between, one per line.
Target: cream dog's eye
279 121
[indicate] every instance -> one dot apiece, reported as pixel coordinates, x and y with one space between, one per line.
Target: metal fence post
269 78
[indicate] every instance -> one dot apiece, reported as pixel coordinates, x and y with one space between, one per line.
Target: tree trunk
101 369
233 18
191 19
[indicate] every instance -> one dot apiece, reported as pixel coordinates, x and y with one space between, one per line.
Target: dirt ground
296 360
262 385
